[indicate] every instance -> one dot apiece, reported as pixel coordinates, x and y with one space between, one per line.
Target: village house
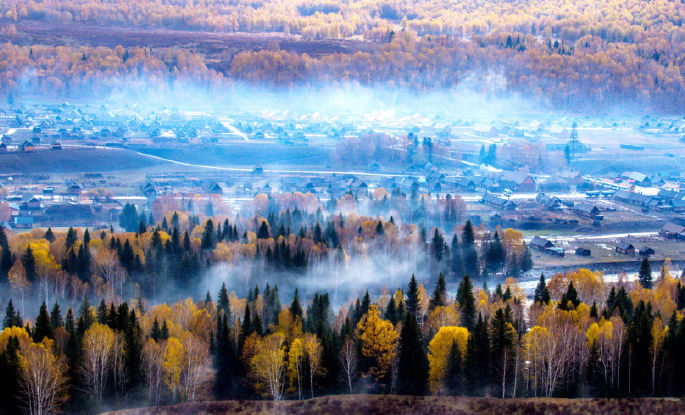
517 181
673 231
498 202
625 248
27 147
646 252
580 251
546 246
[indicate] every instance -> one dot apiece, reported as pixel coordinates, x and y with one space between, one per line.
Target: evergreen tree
412 305
502 336
456 264
208 235
295 307
478 357
412 373
391 311
263 232
467 303
49 236
29 262
453 373
541 292
12 317
71 238
494 254
439 297
10 367
570 296
43 328
223 302
133 352
470 255
645 274
56 317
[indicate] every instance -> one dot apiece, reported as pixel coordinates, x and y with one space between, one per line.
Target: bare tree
98 347
153 358
348 360
43 380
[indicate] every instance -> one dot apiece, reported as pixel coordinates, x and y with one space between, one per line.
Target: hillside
389 404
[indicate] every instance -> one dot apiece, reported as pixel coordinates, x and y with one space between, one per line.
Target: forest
84 312
576 55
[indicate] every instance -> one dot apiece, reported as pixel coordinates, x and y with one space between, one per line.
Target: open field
81 160
377 404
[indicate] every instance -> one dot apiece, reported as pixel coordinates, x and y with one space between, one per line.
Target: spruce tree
295 307
133 352
645 274
412 305
467 303
56 317
453 373
223 302
439 297
391 311
12 317
412 372
43 328
470 255
10 368
541 292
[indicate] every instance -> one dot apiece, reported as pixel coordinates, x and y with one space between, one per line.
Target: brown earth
388 404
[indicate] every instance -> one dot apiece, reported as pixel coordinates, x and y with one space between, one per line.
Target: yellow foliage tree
378 338
439 350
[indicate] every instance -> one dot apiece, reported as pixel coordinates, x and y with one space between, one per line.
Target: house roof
673 228
514 177
541 242
625 245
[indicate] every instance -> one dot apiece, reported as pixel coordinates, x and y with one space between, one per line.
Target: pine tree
12 317
645 274
391 311
478 357
29 262
133 352
10 367
295 307
470 255
154 332
467 303
570 296
502 336
263 232
412 373
43 328
224 304
439 297
49 236
413 296
453 373
541 292
56 317
456 263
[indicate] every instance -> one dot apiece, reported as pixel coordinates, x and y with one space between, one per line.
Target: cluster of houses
28 205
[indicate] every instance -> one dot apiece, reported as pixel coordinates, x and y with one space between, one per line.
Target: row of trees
571 340
326 19
174 253
589 71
